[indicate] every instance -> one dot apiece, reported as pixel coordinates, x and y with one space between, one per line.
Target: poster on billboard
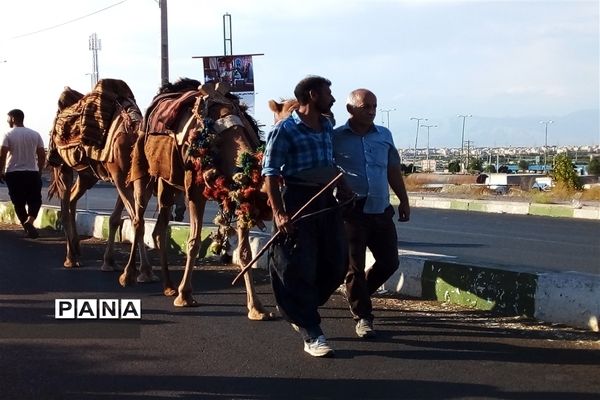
237 71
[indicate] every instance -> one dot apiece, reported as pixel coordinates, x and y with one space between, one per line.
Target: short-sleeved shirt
22 144
292 146
366 159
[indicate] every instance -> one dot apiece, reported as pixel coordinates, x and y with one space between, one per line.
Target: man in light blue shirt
367 152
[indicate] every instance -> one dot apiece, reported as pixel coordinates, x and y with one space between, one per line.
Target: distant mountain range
577 128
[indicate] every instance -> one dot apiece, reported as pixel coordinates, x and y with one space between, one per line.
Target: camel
205 146
283 108
110 118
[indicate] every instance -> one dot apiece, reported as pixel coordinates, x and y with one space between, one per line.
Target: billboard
237 71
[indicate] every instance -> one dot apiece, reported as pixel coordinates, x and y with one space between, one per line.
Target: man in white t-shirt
23 155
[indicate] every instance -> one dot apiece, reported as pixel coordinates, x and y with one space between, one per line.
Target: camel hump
115 88
68 97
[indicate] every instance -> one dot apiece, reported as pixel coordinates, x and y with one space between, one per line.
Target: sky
509 64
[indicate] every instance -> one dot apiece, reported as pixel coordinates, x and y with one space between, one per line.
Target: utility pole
546 123
428 126
164 43
462 140
95 44
469 143
417 136
227 35
388 115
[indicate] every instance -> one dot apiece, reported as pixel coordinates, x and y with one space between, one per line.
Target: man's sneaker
318 347
364 329
30 230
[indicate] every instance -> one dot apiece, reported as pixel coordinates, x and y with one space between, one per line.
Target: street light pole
546 123
428 126
462 141
417 136
164 43
388 115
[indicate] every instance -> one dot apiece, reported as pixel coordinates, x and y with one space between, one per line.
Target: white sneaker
364 329
318 347
295 327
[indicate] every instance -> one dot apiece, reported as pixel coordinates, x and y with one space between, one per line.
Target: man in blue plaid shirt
309 261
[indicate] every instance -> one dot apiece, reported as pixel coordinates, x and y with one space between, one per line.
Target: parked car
541 186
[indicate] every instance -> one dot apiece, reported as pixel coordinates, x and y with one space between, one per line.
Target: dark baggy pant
378 233
25 191
308 266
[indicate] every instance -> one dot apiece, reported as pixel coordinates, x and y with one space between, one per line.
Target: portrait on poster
235 70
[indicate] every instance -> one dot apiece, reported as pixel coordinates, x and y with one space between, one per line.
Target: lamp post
164 42
388 115
417 136
428 126
462 140
546 123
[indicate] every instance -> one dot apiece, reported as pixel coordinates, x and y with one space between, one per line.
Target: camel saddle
87 119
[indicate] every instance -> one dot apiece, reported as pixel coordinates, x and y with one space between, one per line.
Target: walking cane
261 252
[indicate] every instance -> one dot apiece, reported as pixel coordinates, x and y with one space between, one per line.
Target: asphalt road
522 242
424 349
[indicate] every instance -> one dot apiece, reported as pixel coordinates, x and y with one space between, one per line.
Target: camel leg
159 234
118 170
64 175
196 204
141 198
69 203
146 274
256 311
114 221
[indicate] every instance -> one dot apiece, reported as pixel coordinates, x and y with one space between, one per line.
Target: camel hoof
144 277
185 301
169 292
126 280
107 268
72 264
261 316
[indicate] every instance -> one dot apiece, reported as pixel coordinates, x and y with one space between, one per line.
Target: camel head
283 109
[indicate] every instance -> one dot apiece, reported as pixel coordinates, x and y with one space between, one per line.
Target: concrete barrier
568 298
505 207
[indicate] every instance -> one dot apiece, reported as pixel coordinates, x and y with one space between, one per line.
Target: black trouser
308 266
378 233
25 191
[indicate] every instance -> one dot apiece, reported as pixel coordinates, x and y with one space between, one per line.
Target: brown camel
94 135
283 108
201 141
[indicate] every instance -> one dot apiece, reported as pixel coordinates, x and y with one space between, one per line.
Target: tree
564 173
454 166
594 166
475 165
490 169
523 165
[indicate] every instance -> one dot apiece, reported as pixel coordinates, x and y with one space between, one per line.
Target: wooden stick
276 235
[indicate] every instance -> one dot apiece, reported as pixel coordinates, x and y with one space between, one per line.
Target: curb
505 207
568 298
